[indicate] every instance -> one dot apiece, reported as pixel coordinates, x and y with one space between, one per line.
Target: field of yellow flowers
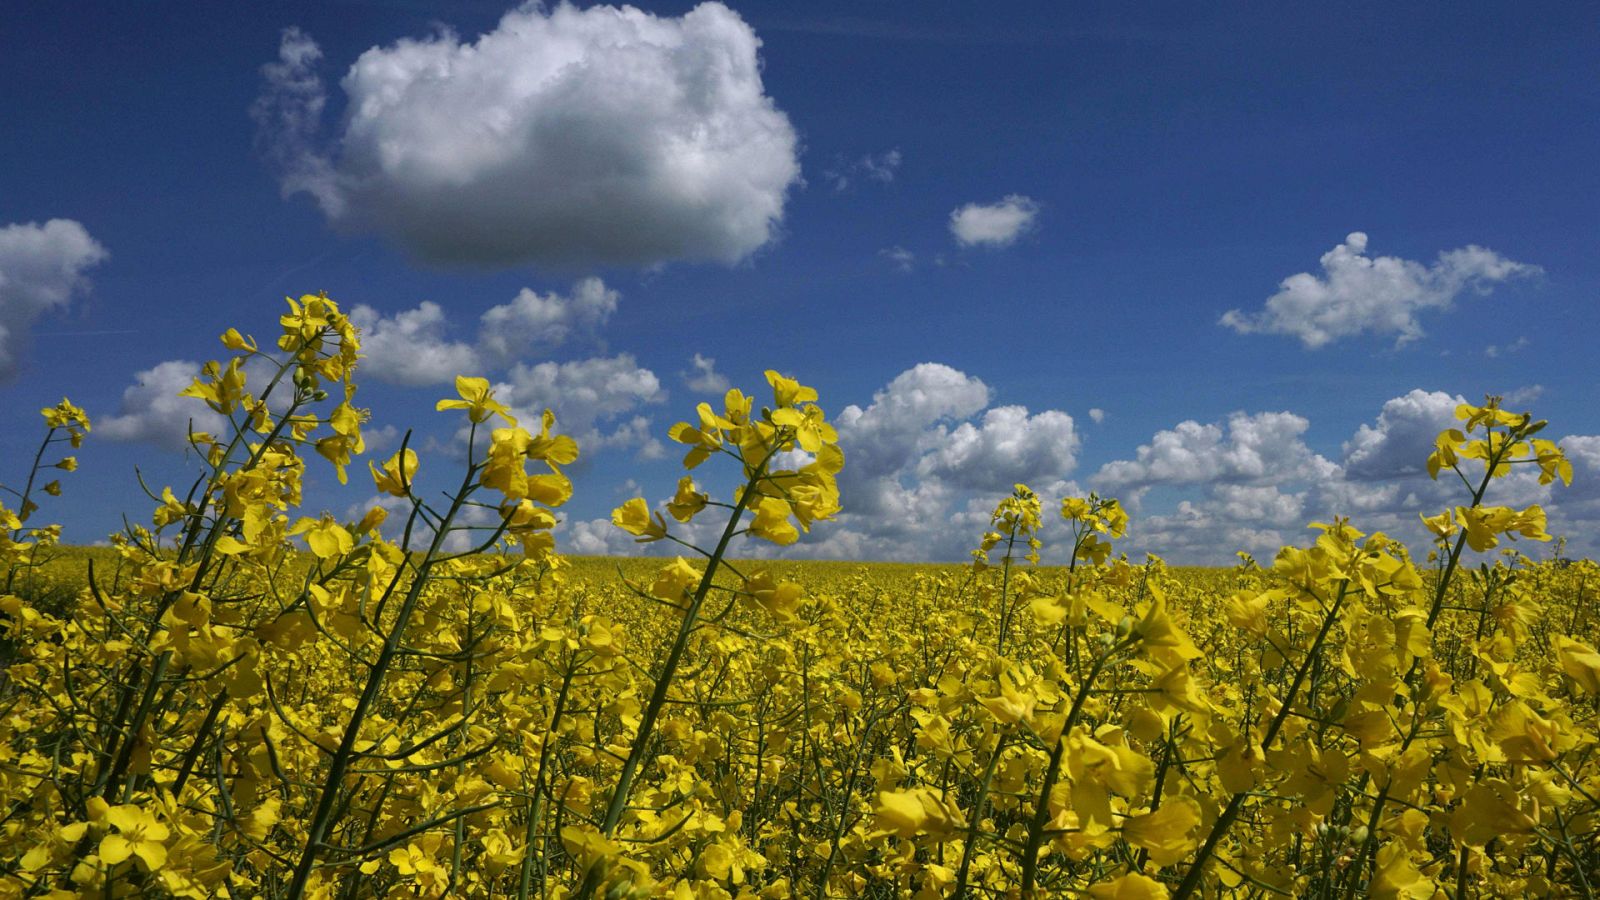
238 700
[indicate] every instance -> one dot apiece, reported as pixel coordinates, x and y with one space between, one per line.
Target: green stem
321 820
1191 879
658 695
1041 810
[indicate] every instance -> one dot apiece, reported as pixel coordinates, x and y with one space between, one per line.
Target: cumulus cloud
41 269
705 379
1357 293
994 224
152 412
564 136
927 460
1201 492
1259 448
1006 446
884 436
1097 415
1399 442
410 348
1205 533
534 323
1245 483
596 400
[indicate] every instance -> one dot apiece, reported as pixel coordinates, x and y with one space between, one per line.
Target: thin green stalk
321 818
1191 878
1041 810
658 695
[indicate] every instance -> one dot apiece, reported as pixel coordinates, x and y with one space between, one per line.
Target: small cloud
1358 294
596 400
879 167
381 439
996 224
1525 394
1494 351
1097 415
903 259
705 379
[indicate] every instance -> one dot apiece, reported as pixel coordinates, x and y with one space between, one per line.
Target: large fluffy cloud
1383 295
41 268
882 438
1007 443
565 136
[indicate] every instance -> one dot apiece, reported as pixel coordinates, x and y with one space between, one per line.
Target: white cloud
534 322
1097 415
879 167
381 439
152 412
564 136
885 436
995 224
1494 351
597 537
928 458
1242 484
1202 533
1253 484
903 259
595 400
1524 395
1399 442
1005 447
926 461
41 268
410 348
706 379
1383 295
1263 503
1263 448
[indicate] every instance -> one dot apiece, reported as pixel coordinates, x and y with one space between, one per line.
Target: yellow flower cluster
242 699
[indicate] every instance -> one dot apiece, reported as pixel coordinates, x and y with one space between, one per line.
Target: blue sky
941 215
